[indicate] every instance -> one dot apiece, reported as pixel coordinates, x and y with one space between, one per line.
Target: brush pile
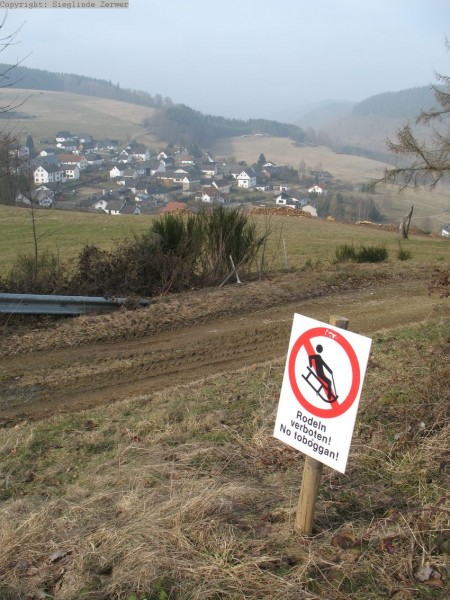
280 211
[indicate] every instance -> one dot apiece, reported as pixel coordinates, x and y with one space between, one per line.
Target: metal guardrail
41 304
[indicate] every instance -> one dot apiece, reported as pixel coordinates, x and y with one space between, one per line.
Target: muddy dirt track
66 376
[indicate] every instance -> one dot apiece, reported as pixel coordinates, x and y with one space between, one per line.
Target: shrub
371 254
403 254
227 233
345 252
178 252
43 274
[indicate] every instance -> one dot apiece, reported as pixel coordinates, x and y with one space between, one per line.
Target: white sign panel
322 384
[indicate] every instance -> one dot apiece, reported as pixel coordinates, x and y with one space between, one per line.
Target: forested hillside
179 122
38 79
363 129
405 104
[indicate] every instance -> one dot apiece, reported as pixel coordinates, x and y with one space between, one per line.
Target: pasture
307 241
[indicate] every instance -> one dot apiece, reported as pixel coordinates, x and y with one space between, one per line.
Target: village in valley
78 173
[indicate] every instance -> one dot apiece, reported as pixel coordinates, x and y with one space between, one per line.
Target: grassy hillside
284 152
46 113
308 241
62 232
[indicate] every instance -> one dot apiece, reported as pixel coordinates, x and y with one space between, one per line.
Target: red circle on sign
335 409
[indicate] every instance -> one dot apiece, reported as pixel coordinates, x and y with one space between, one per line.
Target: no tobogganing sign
321 389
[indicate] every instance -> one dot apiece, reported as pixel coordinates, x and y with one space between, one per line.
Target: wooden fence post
312 473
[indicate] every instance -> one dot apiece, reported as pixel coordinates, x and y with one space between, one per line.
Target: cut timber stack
280 211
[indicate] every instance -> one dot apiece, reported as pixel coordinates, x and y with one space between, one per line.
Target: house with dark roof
72 172
94 159
211 195
209 169
69 146
247 178
48 173
64 136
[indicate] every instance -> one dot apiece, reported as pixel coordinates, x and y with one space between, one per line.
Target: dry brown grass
284 151
100 117
186 494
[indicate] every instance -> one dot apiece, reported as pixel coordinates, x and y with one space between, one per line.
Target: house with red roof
72 160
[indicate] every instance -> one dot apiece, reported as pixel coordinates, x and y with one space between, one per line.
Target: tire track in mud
35 385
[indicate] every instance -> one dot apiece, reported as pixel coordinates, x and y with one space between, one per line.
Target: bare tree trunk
405 223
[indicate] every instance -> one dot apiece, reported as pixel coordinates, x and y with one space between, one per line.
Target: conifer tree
424 162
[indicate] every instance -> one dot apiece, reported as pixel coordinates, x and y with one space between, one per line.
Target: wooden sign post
312 474
319 399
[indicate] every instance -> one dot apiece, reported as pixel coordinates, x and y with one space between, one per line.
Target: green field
307 241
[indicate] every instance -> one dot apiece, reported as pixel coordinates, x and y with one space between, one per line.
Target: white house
316 189
130 174
211 195
70 146
101 204
117 171
125 156
247 178
64 136
42 196
141 156
223 186
285 199
94 159
48 174
156 166
209 169
190 183
69 160
47 152
72 172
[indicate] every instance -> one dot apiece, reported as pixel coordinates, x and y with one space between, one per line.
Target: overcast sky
243 58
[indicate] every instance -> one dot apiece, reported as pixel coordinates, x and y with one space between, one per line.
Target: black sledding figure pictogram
323 385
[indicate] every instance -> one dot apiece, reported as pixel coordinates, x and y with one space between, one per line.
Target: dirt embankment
96 360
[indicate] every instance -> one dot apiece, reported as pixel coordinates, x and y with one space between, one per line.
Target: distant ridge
405 104
325 112
38 79
363 128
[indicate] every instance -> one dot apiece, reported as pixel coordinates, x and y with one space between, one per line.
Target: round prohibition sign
304 341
